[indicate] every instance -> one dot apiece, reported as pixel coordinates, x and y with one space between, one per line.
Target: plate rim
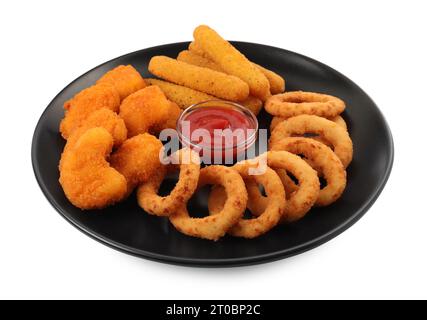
226 262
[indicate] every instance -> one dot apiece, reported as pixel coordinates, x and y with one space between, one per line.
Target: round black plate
127 228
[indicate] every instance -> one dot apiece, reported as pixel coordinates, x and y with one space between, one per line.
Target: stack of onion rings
324 160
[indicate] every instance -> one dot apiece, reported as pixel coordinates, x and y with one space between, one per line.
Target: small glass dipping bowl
212 152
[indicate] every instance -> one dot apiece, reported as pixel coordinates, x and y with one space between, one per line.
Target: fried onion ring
268 216
300 201
324 160
338 120
214 227
294 103
151 202
288 183
332 132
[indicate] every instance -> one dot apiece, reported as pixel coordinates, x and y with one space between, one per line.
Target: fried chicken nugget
104 118
78 108
86 177
196 56
206 80
173 115
125 79
232 61
137 159
144 109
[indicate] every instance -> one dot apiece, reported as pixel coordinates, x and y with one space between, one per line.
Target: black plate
127 228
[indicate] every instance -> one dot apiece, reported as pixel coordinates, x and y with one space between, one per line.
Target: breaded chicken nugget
96 97
199 58
104 118
182 96
202 79
86 177
125 79
232 61
137 159
173 115
144 109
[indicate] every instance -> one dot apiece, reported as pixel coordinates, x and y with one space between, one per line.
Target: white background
381 46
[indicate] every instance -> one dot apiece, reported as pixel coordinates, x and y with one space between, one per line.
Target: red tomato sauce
216 119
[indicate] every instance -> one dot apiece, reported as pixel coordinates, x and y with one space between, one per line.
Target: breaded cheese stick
232 61
202 79
277 83
185 97
196 59
196 55
182 96
253 104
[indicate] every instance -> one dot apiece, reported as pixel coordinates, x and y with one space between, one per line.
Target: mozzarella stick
232 61
277 83
198 60
185 97
196 55
182 96
253 104
202 79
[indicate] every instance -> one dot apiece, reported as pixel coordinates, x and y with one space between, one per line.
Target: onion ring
294 103
324 159
288 183
333 133
270 214
300 201
214 227
151 202
338 120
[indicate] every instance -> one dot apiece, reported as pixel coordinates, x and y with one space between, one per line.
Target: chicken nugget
232 61
86 177
170 123
104 118
144 109
78 108
137 159
206 80
125 79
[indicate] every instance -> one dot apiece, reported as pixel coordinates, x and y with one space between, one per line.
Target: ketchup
217 119
218 128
